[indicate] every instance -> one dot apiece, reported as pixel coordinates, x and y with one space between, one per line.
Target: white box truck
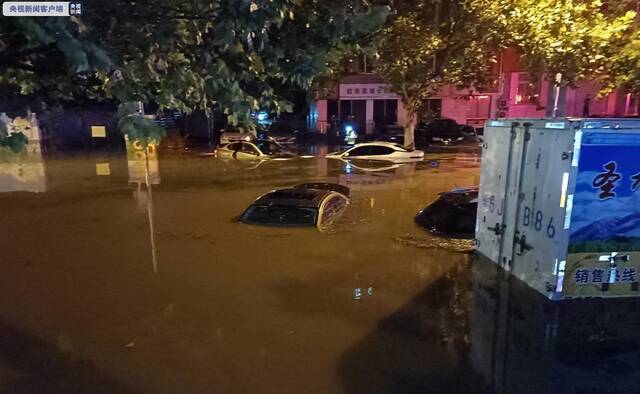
559 204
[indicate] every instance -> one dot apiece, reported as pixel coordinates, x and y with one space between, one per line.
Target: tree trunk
410 126
409 130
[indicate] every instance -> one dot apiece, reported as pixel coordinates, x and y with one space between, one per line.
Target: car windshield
280 215
269 148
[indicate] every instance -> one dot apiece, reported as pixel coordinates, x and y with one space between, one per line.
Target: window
380 150
248 148
269 148
385 112
279 215
233 146
528 90
361 151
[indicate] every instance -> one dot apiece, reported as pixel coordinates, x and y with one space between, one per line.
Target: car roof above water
394 145
304 198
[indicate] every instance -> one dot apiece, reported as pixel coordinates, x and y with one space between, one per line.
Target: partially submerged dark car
307 205
453 214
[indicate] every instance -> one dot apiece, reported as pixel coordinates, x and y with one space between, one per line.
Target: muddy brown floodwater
96 301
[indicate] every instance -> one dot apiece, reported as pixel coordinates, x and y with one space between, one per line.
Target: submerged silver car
259 149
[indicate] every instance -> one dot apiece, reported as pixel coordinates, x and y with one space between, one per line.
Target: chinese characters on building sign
589 276
378 90
606 181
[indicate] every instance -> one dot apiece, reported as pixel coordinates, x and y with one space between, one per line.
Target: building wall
574 104
471 107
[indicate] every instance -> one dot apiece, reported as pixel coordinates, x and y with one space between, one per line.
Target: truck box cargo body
559 204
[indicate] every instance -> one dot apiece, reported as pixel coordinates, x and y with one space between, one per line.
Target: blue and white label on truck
604 239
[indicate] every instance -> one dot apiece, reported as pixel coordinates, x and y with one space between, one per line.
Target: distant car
470 134
297 207
282 133
232 136
378 150
258 149
453 214
394 138
389 133
444 131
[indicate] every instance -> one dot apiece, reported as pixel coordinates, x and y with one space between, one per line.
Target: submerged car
259 149
300 206
378 151
453 214
334 187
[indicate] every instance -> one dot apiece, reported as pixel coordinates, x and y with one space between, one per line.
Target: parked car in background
378 150
471 134
300 206
443 131
452 214
390 133
257 149
281 133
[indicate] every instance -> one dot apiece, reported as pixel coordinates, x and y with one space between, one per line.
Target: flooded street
225 307
320 197
94 300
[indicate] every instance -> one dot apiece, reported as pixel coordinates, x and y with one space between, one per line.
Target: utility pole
556 98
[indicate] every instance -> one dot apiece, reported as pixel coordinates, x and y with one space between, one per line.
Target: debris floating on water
432 242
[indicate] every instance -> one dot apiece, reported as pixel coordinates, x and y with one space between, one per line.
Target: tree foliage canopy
574 38
434 43
235 55
431 43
